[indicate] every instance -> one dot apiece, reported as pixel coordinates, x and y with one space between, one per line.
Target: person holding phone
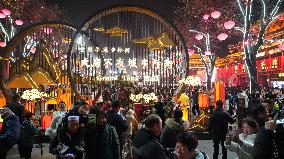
244 142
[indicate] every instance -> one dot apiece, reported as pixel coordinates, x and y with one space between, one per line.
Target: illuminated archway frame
15 45
88 25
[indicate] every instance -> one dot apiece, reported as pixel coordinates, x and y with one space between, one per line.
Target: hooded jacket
171 130
10 132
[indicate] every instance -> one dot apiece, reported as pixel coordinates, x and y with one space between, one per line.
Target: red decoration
222 36
215 14
207 53
2 15
206 16
190 52
198 36
281 46
19 22
2 43
47 30
229 24
7 12
33 50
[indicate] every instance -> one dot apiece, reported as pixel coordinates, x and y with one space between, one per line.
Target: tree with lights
251 42
211 28
17 13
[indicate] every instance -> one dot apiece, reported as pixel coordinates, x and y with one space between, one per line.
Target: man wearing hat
71 141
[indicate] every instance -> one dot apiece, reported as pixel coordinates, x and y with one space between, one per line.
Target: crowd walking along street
141 79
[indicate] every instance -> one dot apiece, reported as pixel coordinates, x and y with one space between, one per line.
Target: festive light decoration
144 63
215 14
33 94
281 46
147 97
168 63
208 53
191 80
132 63
19 22
229 24
2 15
47 30
198 36
108 63
206 16
222 36
7 12
120 63
2 44
190 52
33 50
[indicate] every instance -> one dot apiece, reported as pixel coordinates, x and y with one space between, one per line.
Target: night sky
80 10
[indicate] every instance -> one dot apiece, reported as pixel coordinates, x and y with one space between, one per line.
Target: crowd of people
112 130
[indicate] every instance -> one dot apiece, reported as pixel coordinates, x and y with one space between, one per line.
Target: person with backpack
26 141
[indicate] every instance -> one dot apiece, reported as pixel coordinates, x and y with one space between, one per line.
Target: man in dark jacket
114 119
159 106
101 139
172 128
146 144
10 132
218 128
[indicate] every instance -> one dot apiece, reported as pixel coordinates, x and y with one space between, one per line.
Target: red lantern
7 12
215 14
19 22
206 16
198 36
222 36
190 52
229 24
2 15
2 43
33 50
281 47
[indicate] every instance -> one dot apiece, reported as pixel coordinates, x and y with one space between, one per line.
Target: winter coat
146 146
10 133
279 140
245 150
101 143
28 130
74 142
263 145
56 120
218 124
129 120
170 132
115 120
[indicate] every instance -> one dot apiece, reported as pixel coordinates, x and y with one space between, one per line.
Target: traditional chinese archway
127 45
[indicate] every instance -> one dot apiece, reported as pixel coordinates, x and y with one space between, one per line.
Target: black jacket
279 140
101 142
263 145
147 146
17 109
10 132
159 106
170 132
28 130
117 122
218 124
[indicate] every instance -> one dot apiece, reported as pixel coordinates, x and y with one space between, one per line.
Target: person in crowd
115 119
259 114
269 106
218 128
172 128
17 108
130 118
27 138
81 109
51 132
101 138
245 97
146 143
211 102
71 143
263 147
159 108
10 131
245 141
195 105
186 147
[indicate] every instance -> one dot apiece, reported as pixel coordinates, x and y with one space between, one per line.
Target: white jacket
244 151
51 132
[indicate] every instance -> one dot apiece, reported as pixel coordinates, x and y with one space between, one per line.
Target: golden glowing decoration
154 45
143 40
165 40
147 97
191 80
101 29
184 103
116 31
33 94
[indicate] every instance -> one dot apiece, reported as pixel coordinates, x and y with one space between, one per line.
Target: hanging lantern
33 50
2 43
215 14
206 16
222 36
47 30
190 52
19 22
198 36
281 47
7 12
207 53
229 24
2 15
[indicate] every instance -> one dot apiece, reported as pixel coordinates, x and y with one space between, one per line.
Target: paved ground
204 145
